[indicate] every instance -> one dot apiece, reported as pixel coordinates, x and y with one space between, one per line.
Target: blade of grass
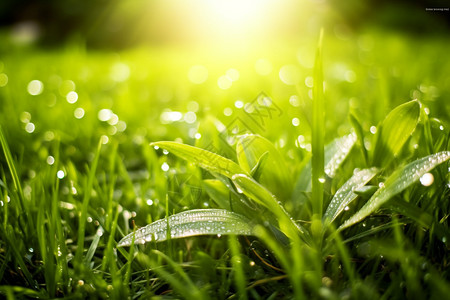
317 144
236 262
204 158
396 183
85 204
191 223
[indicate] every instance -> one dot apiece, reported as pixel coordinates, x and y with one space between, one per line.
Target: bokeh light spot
190 117
30 127
35 87
120 72
263 67
233 74
3 79
289 74
224 82
198 74
79 113
72 97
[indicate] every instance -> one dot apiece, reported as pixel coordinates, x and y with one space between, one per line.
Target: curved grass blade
250 148
208 160
396 183
394 131
335 154
261 195
345 195
191 223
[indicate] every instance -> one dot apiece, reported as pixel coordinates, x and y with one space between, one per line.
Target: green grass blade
360 134
93 246
236 262
394 131
85 204
12 167
185 286
345 195
261 195
219 192
192 223
396 183
274 173
318 135
204 158
336 152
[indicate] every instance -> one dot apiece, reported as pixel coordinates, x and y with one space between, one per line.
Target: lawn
257 190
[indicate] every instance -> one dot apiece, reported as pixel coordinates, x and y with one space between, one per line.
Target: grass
74 182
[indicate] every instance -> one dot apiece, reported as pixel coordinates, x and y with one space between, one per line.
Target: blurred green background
139 71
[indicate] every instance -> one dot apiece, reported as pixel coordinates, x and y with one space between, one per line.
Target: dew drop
427 179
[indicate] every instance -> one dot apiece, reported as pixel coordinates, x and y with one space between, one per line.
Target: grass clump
101 205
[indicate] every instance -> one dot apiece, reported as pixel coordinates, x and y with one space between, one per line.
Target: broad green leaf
396 183
261 195
394 131
345 195
274 172
208 160
191 223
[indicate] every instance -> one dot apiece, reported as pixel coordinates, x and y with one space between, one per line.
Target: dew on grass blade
165 167
192 223
396 183
427 179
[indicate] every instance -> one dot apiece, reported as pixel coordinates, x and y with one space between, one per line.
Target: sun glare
223 20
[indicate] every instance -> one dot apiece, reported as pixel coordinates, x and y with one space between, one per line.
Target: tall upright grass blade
394 131
185 286
360 134
12 168
204 158
238 270
345 195
318 136
192 223
396 183
85 205
335 154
